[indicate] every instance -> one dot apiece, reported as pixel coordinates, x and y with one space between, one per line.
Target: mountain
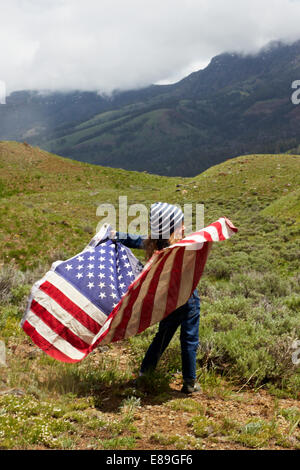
250 291
239 104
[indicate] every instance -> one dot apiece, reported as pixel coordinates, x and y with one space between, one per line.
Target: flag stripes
66 325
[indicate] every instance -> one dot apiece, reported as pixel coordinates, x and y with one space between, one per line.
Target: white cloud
109 44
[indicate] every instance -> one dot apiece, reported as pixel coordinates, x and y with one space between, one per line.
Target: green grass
249 304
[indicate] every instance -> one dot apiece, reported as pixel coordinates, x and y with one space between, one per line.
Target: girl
166 224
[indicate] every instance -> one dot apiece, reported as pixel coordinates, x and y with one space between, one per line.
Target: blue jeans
187 316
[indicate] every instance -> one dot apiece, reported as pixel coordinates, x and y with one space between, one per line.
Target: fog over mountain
238 104
108 45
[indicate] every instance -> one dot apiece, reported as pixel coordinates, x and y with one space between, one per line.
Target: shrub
10 277
219 269
293 302
253 283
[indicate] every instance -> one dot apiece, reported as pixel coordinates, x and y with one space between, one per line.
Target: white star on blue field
102 274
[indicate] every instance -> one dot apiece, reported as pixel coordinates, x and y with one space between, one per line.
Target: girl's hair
151 245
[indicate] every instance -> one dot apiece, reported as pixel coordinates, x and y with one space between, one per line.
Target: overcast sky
121 44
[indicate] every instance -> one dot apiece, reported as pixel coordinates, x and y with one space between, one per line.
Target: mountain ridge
239 104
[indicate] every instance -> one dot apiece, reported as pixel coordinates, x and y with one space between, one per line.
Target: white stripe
161 294
187 275
64 317
159 208
72 293
134 322
165 225
166 215
213 233
53 338
197 244
161 213
165 218
116 321
226 230
118 318
198 237
103 329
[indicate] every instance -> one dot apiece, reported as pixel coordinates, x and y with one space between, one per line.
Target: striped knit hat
164 219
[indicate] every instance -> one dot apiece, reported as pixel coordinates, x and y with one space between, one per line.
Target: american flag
104 294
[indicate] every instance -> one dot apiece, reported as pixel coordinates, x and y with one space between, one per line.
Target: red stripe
70 307
200 261
207 236
43 344
202 233
218 226
113 314
175 281
148 301
121 329
230 225
58 327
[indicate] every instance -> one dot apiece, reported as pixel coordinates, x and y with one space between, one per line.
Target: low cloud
116 44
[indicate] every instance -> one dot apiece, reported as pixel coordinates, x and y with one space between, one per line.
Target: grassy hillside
48 203
250 302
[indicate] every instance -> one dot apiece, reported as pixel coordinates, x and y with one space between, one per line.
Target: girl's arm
130 240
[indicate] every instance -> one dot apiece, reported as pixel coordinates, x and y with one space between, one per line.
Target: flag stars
103 272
